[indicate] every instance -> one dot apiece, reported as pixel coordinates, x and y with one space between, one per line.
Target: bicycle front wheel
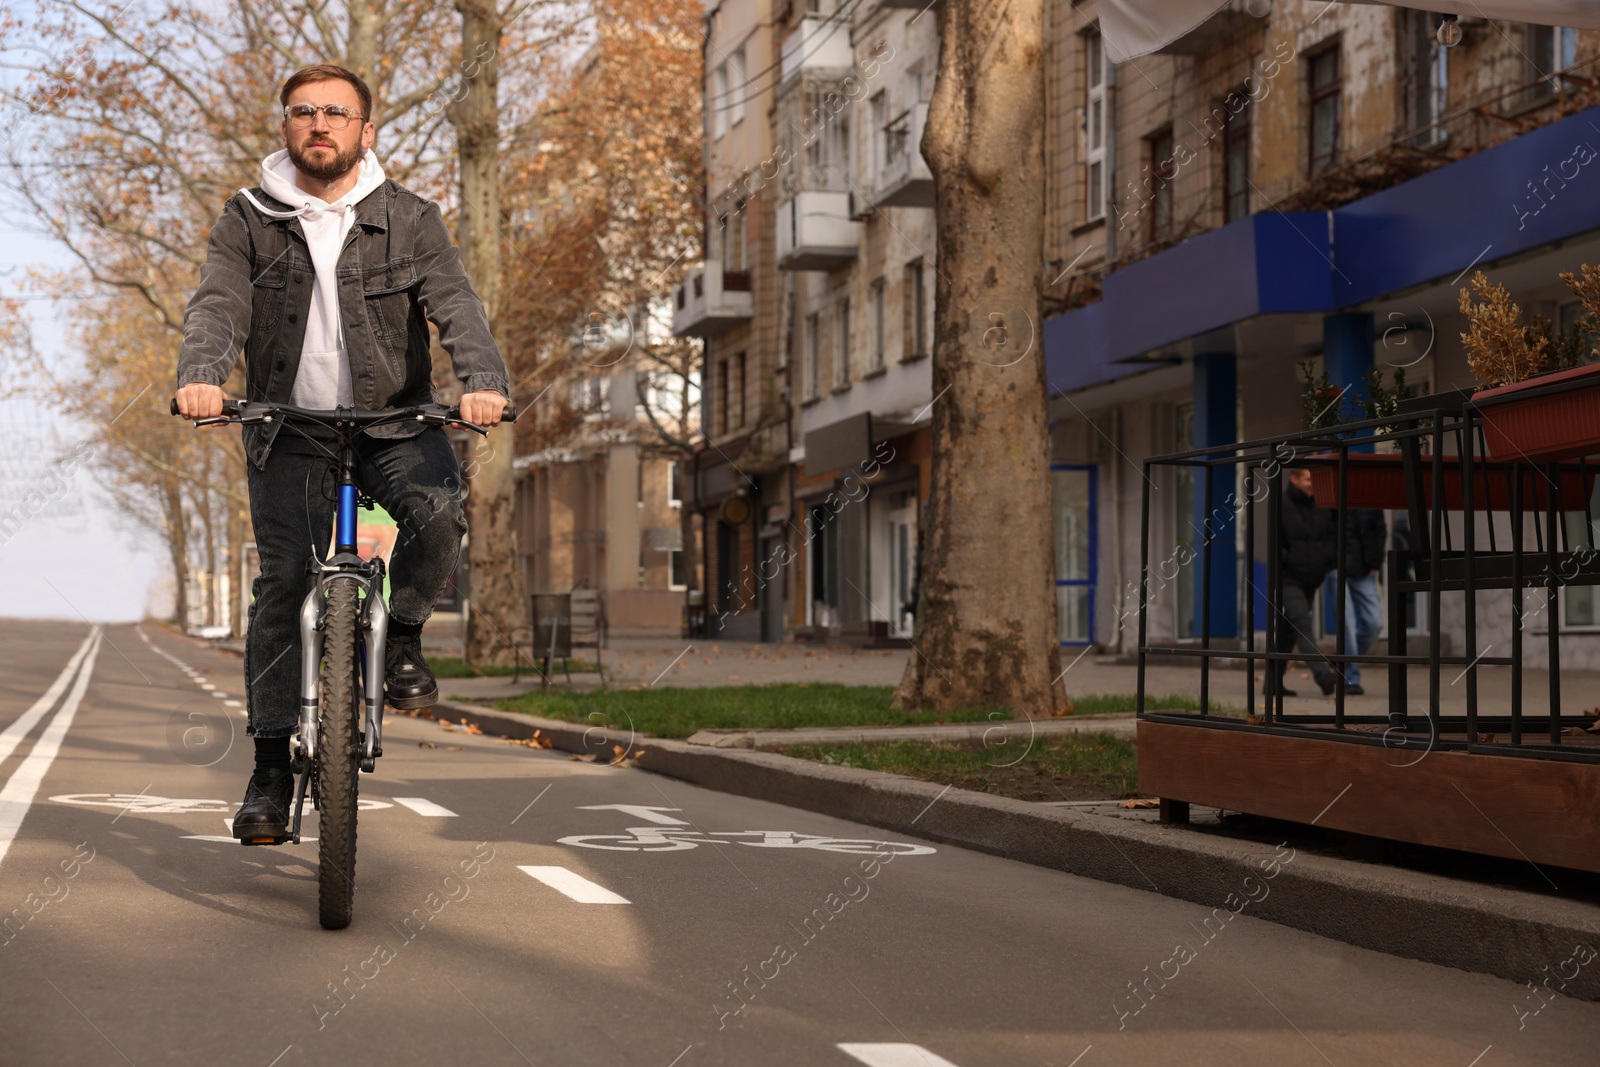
336 758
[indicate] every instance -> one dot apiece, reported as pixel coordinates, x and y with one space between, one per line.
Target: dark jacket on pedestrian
1308 539
398 270
1365 532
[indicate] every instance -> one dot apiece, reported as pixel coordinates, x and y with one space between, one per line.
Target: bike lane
716 929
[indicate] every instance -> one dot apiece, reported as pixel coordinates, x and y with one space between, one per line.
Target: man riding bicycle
327 274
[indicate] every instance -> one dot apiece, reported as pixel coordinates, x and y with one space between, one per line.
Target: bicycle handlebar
256 411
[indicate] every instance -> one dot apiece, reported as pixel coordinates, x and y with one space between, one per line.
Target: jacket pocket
267 295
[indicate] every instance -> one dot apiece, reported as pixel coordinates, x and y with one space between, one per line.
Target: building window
813 369
878 135
1236 166
1159 184
736 397
1326 88
718 104
875 296
841 348
791 333
674 484
1427 77
1095 127
1549 49
736 85
916 311
677 570
724 395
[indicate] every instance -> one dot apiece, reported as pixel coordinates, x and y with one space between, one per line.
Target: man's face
319 151
1300 478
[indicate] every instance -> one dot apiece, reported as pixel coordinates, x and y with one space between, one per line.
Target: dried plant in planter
1326 405
1501 348
1320 400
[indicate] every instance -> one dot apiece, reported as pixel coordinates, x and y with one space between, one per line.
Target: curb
1519 936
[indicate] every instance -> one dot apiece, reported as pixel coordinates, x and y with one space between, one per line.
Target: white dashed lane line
193 675
893 1054
423 806
573 885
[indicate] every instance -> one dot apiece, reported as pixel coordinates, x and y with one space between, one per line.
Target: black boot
408 683
268 800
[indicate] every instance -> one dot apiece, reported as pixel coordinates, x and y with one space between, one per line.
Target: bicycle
344 625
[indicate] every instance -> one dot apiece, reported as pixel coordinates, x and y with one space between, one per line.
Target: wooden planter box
1561 421
1379 482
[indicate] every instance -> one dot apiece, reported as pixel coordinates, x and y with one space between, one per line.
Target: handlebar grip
453 413
230 408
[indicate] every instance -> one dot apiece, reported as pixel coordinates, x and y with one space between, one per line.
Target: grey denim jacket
398 270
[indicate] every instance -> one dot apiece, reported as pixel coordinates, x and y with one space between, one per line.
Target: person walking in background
1307 548
1365 533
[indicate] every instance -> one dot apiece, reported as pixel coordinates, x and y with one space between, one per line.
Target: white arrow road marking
423 806
894 1054
638 811
17 797
573 885
14 733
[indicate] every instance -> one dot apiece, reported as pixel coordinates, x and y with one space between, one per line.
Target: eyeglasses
338 116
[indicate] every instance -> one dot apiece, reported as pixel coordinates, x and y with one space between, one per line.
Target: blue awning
1541 187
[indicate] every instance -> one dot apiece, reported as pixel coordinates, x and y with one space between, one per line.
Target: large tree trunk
986 622
494 585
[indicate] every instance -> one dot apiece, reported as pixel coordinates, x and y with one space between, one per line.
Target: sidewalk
640 662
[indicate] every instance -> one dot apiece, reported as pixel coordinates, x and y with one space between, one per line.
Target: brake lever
464 424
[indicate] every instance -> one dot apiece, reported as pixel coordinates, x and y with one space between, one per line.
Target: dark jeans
415 479
1295 630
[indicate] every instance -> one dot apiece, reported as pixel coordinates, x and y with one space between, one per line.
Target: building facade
816 306
1314 185
1309 185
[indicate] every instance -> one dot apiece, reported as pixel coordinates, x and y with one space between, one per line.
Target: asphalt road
485 934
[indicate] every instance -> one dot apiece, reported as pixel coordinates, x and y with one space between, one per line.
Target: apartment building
1315 185
603 508
815 303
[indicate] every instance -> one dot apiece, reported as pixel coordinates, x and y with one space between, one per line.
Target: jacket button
280 364
297 279
293 317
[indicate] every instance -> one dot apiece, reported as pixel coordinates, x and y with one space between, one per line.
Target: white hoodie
323 380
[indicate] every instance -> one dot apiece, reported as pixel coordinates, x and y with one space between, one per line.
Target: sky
74 556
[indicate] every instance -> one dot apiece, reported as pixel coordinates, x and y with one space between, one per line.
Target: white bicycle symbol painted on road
674 839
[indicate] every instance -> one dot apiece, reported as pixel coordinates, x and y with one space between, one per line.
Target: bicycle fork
374 620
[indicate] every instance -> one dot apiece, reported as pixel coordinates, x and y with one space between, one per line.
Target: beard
325 168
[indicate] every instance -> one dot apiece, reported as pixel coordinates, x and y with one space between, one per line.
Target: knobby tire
336 758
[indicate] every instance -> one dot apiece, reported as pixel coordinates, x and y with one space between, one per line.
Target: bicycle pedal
262 839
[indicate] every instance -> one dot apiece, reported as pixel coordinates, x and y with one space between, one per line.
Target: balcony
819 46
815 231
904 180
710 300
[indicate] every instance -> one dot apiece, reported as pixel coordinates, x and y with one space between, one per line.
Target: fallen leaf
1592 712
1486 739
1254 720
454 748
473 728
426 744
1141 802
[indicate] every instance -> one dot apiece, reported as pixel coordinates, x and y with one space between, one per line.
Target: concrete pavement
751 933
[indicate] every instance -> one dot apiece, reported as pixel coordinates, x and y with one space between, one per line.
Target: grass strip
670 712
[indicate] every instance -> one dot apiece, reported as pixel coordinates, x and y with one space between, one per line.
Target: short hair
322 72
